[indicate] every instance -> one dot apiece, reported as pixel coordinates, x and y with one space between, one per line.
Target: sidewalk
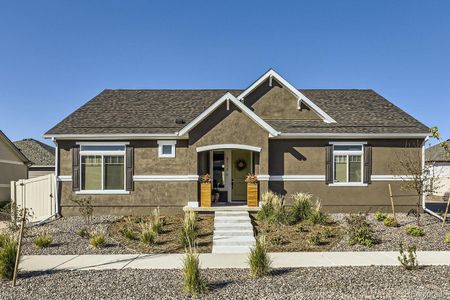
223 261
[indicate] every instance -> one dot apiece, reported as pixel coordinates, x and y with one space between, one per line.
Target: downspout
56 177
423 195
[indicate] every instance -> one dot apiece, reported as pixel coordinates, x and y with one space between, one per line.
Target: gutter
56 178
425 209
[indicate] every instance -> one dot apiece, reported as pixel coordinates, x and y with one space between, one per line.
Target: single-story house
13 166
41 157
132 150
438 161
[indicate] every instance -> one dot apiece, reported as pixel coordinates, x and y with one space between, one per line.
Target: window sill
348 184
110 192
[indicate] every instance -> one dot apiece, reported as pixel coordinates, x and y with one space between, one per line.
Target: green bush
447 238
147 237
158 221
193 281
3 240
273 209
83 232
359 231
43 240
316 215
259 259
8 253
301 206
408 260
379 216
188 233
390 222
128 233
414 230
97 240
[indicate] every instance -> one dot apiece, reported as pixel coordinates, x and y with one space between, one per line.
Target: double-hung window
102 168
348 163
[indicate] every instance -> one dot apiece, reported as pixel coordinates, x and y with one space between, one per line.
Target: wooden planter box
252 194
205 194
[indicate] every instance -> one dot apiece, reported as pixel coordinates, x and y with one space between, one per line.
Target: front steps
233 232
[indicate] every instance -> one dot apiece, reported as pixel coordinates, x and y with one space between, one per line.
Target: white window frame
103 154
348 153
171 143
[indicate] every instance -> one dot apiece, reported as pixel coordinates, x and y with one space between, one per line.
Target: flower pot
252 194
205 194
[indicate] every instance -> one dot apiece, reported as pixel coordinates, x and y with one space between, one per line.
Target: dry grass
168 240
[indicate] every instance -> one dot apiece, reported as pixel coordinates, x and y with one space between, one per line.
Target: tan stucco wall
8 173
7 153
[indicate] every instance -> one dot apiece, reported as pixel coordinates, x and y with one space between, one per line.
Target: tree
435 133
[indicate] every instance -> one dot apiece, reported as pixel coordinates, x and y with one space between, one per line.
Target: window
347 163
166 148
102 167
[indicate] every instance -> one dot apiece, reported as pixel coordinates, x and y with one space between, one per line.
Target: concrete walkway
223 261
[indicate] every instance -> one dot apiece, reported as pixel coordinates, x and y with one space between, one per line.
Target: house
13 166
438 161
41 157
129 151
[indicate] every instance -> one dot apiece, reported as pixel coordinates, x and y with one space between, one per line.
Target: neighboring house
40 155
129 151
13 166
439 162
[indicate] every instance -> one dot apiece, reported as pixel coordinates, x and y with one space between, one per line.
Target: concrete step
246 232
231 220
234 241
233 226
231 213
228 249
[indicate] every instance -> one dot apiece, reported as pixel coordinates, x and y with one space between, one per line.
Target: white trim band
228 146
12 162
104 192
64 178
350 135
391 177
165 178
4 185
297 178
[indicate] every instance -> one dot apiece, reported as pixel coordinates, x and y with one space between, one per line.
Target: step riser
231 214
233 233
224 249
233 244
228 221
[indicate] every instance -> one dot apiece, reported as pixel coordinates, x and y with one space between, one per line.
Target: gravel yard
302 283
433 240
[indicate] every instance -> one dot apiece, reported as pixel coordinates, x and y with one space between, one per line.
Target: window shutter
367 163
76 168
329 164
129 168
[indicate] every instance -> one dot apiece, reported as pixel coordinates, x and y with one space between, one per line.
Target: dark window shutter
76 168
367 163
329 164
129 168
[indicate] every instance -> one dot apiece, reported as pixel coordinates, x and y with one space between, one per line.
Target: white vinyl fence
36 194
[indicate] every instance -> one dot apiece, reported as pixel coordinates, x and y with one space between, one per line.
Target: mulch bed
168 240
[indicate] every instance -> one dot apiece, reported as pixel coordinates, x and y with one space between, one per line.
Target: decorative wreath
241 164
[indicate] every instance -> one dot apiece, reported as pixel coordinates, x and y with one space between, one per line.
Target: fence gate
36 194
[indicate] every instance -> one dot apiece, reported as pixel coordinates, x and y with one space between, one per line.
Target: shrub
3 240
128 233
8 254
390 222
259 259
447 238
409 260
188 233
359 231
193 281
147 237
273 209
83 232
379 216
301 206
97 240
317 216
327 233
314 239
414 230
43 240
158 222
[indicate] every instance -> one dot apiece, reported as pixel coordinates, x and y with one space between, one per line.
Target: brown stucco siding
373 197
277 103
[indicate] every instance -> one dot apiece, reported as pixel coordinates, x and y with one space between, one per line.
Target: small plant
414 230
86 209
379 216
158 221
193 281
390 222
326 234
188 233
97 240
205 178
314 239
128 233
251 178
301 207
259 259
317 216
359 231
147 237
43 240
409 259
83 232
8 253
3 240
447 238
273 209
277 240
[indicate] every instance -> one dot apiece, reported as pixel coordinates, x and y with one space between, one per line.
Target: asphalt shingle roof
155 111
437 153
39 154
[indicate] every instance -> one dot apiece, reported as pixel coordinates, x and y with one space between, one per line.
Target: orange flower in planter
205 190
205 178
251 178
252 190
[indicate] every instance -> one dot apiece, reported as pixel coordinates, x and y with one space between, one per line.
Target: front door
241 161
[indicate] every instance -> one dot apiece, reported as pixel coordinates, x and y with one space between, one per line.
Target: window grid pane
91 172
113 172
167 149
340 168
354 168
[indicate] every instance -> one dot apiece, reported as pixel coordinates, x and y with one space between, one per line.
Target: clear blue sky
56 55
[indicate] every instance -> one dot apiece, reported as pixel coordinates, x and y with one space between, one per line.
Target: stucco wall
8 173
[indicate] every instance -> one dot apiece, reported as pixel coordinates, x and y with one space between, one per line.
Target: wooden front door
241 165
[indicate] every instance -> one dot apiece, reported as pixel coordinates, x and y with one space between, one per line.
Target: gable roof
11 145
39 154
437 154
